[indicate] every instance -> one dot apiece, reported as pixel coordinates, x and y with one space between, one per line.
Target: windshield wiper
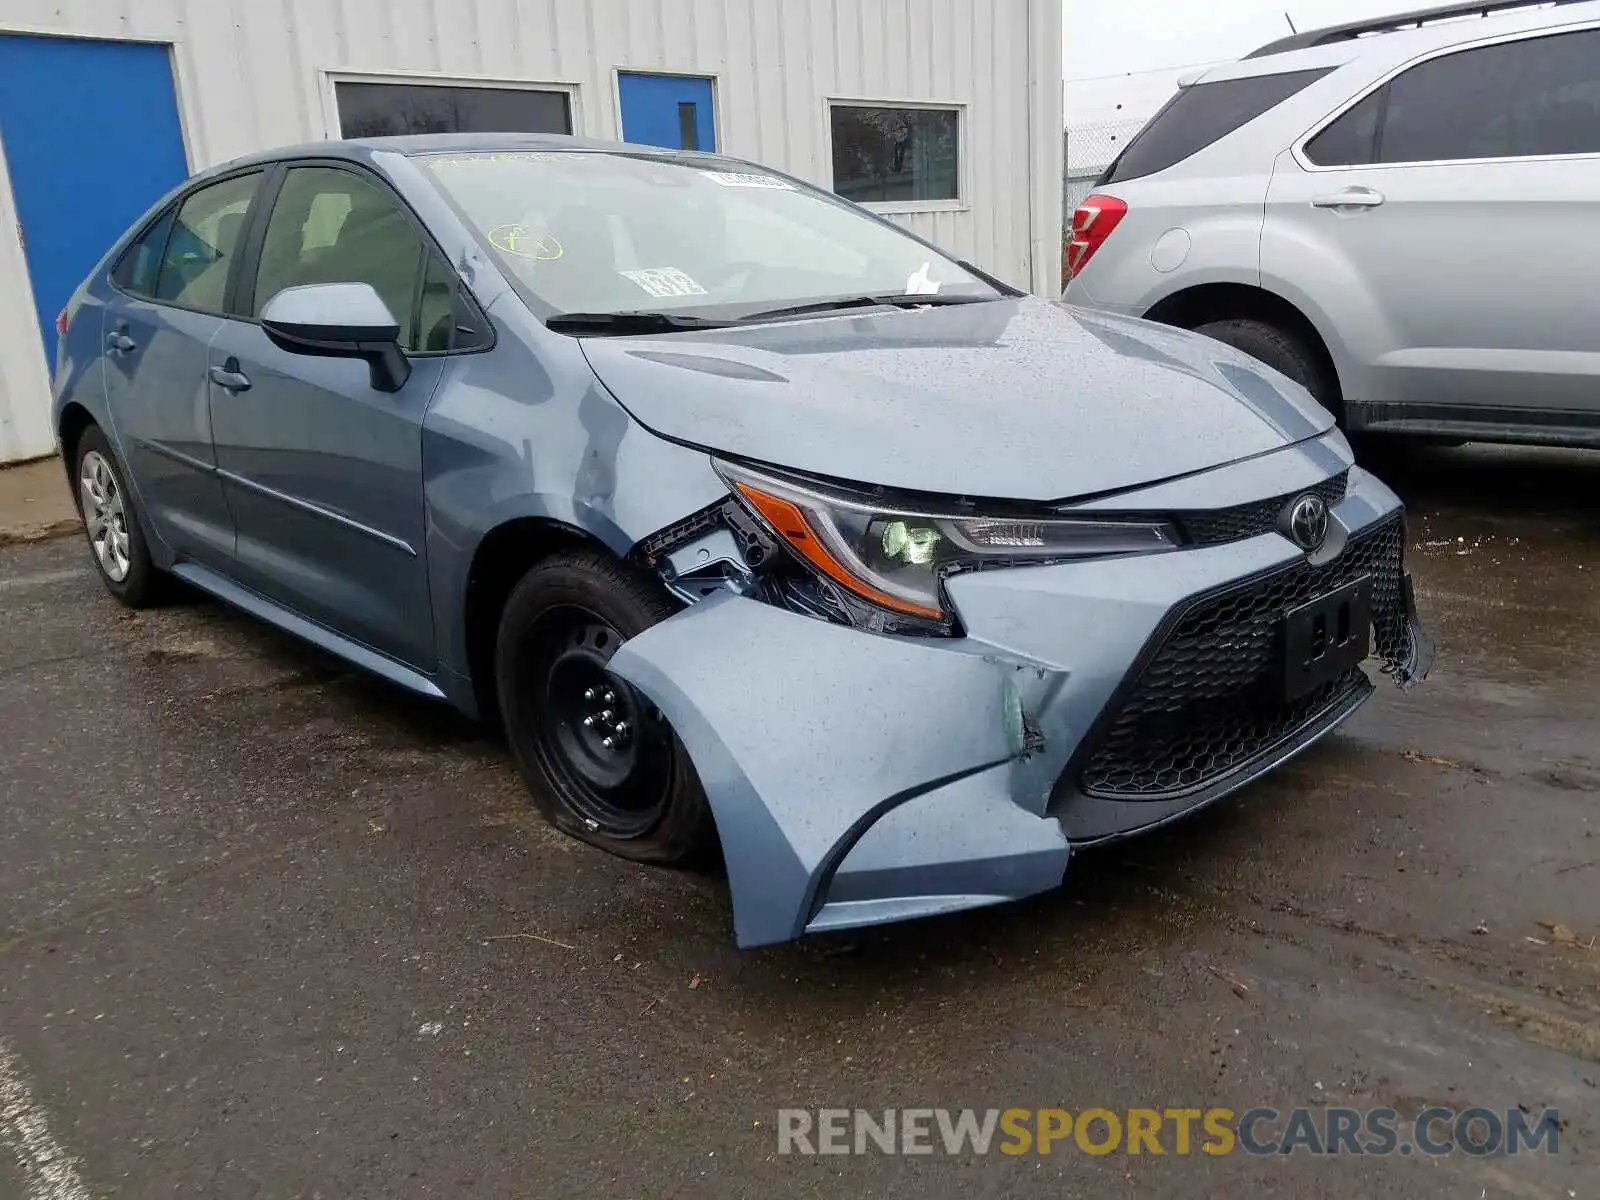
622 323
887 299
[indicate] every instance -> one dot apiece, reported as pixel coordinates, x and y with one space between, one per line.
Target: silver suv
1403 216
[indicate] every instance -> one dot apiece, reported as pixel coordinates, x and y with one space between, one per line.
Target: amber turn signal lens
789 522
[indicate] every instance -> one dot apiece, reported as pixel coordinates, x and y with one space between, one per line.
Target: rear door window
205 239
1528 98
1201 114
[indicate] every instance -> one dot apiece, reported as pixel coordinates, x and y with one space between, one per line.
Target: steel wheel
606 748
601 762
105 515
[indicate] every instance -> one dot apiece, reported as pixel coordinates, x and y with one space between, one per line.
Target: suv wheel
600 759
1283 352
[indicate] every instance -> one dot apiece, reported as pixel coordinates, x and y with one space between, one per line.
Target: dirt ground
271 929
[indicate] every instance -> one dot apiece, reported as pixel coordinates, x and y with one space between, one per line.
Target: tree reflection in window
885 154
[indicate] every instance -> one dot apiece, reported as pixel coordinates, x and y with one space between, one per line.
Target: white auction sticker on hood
748 179
665 282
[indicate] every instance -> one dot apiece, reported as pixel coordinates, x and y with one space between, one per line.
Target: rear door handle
230 378
120 342
1358 197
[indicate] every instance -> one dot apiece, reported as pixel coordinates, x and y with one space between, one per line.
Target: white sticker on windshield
748 179
919 284
662 282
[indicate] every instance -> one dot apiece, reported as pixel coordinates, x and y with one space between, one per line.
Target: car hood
1018 398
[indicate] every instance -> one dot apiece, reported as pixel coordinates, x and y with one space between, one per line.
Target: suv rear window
1200 114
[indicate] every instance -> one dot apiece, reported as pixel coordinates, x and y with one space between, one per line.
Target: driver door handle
120 342
1356 197
230 378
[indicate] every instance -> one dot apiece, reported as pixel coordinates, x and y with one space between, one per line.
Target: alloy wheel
105 515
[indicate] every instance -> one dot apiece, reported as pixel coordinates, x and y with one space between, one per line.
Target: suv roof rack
1399 21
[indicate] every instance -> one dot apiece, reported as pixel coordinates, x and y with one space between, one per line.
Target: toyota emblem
1308 521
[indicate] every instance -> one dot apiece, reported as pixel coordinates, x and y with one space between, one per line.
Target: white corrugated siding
253 74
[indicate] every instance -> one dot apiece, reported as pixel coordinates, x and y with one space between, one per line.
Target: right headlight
895 556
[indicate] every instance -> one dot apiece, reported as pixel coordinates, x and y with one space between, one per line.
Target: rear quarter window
1201 114
137 268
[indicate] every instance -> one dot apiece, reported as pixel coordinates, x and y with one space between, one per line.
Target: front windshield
600 232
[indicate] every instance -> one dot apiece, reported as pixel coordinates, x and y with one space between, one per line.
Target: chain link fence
1088 150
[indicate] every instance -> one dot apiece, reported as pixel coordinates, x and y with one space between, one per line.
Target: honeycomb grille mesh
1207 703
1242 521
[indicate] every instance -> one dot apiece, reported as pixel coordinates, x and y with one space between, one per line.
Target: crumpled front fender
879 767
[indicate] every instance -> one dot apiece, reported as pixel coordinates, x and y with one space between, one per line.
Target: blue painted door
91 137
667 110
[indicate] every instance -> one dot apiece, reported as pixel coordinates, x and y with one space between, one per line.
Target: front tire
1284 352
601 761
111 521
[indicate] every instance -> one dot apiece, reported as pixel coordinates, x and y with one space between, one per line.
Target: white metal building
944 113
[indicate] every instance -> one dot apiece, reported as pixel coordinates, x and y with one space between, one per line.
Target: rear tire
601 761
112 523
1284 352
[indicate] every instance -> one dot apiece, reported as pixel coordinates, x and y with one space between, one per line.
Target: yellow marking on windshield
522 242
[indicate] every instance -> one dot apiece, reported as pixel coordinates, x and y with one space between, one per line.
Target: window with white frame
895 154
377 108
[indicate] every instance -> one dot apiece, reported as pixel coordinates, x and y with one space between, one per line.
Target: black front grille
1208 702
1214 526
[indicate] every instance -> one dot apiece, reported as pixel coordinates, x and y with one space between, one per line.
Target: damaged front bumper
858 778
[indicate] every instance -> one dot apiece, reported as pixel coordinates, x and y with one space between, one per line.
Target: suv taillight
61 323
1092 224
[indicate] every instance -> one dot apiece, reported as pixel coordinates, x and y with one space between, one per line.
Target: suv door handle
230 378
119 342
1356 197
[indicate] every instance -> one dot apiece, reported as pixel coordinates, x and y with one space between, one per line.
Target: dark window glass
1352 139
445 321
205 238
381 109
1513 100
140 263
1199 115
688 128
333 226
888 154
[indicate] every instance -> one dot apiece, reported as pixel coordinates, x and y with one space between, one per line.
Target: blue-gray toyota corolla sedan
755 519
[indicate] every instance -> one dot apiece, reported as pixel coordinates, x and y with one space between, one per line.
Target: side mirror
339 320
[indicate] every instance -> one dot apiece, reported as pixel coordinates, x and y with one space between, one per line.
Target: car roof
1401 37
365 150
1420 17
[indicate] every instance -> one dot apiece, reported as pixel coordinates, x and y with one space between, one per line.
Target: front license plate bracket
1324 638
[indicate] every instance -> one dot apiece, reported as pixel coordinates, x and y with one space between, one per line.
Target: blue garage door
667 110
91 137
